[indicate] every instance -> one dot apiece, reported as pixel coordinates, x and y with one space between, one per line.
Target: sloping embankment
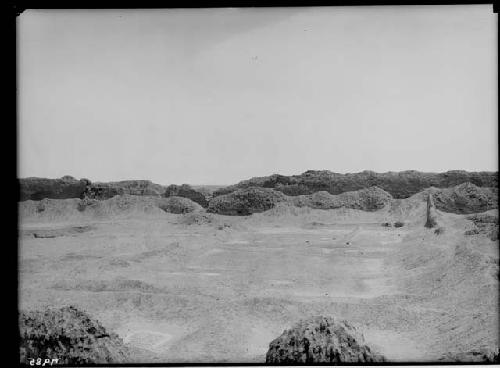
452 283
72 209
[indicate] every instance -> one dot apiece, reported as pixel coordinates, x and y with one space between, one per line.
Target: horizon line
275 173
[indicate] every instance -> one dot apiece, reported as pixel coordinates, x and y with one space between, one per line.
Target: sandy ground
199 293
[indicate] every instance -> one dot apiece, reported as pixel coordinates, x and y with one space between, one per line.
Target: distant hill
39 188
67 187
131 187
399 184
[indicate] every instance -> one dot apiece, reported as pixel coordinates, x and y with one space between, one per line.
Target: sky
215 96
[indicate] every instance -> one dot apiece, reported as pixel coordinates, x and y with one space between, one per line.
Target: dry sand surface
222 288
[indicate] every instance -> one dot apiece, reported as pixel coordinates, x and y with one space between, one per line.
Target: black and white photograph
258 185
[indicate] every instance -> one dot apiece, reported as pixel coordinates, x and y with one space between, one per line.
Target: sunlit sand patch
237 242
373 265
393 345
284 230
308 293
260 249
391 240
149 340
150 335
280 282
255 248
258 341
191 273
349 288
209 274
380 286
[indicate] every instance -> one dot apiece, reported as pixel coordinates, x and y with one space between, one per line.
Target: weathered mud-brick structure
431 212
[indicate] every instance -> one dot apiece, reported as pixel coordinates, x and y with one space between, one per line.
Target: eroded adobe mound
370 199
246 201
321 340
40 188
465 198
126 187
70 335
178 205
186 191
68 187
254 200
399 184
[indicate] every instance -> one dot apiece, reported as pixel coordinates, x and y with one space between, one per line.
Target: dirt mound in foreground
370 199
465 198
246 201
70 335
178 205
321 340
